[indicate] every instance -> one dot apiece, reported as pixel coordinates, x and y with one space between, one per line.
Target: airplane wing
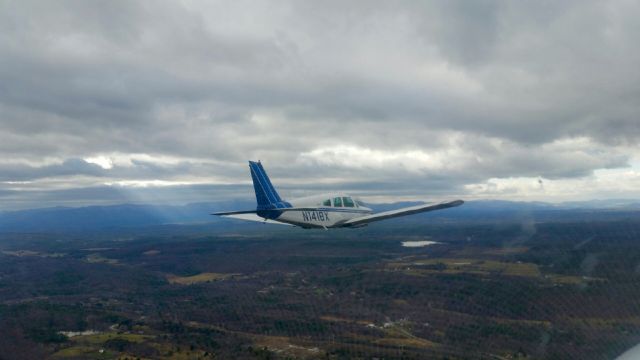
250 216
402 212
228 213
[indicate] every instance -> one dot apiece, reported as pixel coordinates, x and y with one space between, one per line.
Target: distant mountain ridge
92 218
110 216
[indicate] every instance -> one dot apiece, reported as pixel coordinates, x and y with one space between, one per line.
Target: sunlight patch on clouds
53 183
102 161
147 183
502 188
34 162
490 157
603 183
360 157
129 159
565 169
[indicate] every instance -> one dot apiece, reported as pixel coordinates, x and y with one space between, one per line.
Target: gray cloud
500 89
21 172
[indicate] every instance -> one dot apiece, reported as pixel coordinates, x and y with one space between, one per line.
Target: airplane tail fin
266 195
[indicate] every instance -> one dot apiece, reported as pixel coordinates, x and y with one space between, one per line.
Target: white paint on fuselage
412 244
317 215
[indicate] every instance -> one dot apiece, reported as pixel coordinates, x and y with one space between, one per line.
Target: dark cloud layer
444 95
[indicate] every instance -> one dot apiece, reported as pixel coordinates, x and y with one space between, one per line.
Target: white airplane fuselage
314 213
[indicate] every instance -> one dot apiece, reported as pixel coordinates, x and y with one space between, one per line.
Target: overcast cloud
110 101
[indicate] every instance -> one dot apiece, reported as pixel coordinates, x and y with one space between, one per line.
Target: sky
106 102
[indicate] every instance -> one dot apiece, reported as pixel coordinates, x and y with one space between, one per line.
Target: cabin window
327 202
348 202
337 202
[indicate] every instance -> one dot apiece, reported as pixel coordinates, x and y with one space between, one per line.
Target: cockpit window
327 203
337 202
348 202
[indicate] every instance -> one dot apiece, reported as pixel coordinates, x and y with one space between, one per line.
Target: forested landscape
535 289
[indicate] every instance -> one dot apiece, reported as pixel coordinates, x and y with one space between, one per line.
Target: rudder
266 195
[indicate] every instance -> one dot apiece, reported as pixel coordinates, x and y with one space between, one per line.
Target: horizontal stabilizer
253 217
402 212
226 213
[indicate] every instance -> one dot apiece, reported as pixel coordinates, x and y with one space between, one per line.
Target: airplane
327 211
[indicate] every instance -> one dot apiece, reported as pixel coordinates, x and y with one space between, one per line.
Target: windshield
337 202
348 202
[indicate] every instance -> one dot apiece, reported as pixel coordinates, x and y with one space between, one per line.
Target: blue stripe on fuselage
269 214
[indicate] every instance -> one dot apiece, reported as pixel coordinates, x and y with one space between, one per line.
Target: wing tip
456 202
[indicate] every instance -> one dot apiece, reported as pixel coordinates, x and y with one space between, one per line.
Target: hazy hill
129 215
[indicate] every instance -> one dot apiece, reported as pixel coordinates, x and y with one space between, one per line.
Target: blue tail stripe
261 195
264 185
274 195
266 195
